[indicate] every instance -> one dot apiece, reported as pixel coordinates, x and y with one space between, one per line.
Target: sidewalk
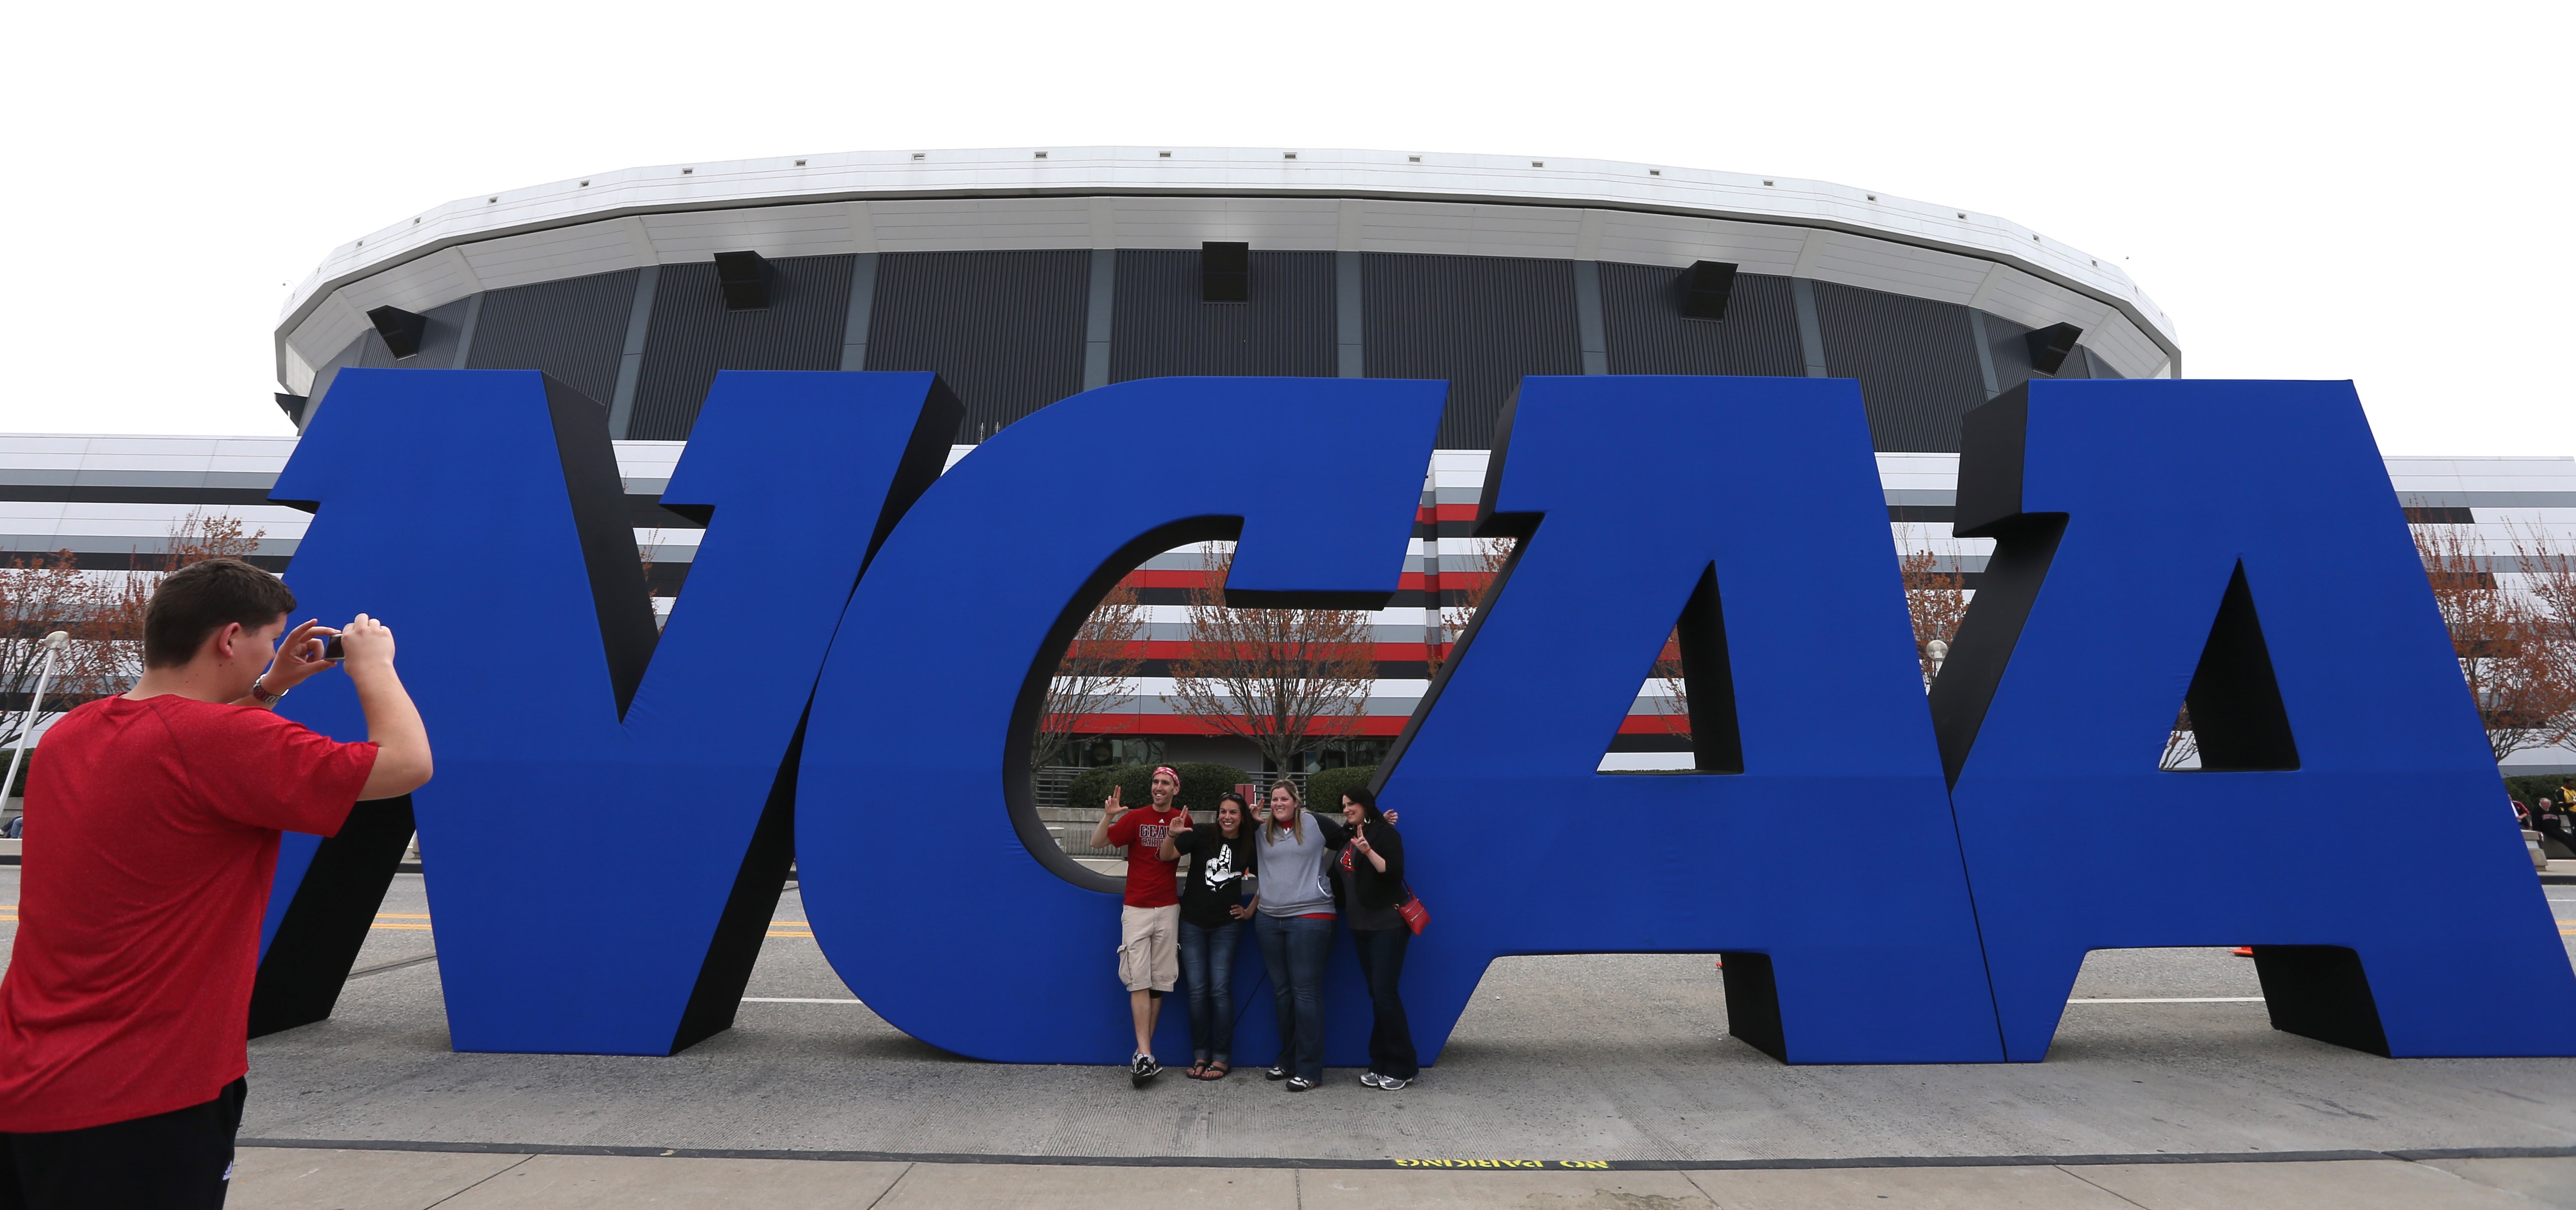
324 1179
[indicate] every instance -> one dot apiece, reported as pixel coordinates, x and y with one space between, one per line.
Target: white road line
2172 1000
792 1000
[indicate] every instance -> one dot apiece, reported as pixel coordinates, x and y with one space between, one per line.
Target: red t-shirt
151 838
1149 878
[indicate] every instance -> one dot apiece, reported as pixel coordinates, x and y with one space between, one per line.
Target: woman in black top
1212 916
1369 888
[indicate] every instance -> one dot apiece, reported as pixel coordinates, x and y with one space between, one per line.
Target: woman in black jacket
1369 888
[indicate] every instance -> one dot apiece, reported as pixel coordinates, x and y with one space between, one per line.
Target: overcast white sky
2312 191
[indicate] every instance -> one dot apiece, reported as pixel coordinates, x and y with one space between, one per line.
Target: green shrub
1202 784
1324 788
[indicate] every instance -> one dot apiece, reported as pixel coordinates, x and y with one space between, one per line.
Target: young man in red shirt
154 822
1149 943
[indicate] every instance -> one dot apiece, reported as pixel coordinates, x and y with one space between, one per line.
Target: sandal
1198 1070
1215 1071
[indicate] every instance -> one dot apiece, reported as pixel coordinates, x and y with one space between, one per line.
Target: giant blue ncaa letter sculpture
2233 546
933 888
589 779
1749 510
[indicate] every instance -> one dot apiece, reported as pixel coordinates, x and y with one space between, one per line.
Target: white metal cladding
1146 197
2510 499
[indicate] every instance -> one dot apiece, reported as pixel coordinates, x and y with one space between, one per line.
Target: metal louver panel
692 336
1916 361
1004 329
572 329
1163 329
1479 321
1641 315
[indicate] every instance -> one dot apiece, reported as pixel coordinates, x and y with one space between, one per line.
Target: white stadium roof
1278 199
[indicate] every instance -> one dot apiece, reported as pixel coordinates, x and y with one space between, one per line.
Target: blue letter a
610 823
1814 846
2234 546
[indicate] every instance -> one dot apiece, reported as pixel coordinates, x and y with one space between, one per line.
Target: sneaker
1299 1083
1142 1069
1368 1079
1391 1084
1275 1073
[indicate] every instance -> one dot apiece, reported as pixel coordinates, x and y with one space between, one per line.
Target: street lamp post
53 644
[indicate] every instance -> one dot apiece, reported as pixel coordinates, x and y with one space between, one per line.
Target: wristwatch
259 693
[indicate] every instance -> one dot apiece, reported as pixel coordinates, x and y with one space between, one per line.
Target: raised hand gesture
1184 823
1111 807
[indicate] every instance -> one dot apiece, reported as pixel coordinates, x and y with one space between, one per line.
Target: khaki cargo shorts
1149 947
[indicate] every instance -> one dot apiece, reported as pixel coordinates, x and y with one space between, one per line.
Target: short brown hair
202 598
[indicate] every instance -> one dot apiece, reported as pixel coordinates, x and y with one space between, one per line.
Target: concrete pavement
2166 1087
1603 1057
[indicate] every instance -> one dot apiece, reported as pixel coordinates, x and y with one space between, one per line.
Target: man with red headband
1149 948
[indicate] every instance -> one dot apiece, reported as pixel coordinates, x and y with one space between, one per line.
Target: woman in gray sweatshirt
1295 927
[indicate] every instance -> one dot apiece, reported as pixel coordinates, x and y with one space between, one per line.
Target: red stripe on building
1375 724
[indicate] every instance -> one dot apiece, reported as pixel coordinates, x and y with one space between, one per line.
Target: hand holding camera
364 644
302 653
314 647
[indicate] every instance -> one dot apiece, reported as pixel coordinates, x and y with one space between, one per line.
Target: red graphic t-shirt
151 838
1149 878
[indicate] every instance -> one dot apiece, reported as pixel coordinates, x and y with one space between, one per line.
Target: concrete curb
1496 1164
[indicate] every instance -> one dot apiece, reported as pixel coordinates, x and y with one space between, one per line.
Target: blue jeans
1207 961
1295 949
1382 964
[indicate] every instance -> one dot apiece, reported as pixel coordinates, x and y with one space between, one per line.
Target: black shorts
180 1160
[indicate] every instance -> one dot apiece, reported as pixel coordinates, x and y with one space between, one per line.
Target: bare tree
1936 598
103 613
2503 642
644 546
1674 707
2182 744
1286 679
2549 582
1484 562
39 595
1096 676
194 538
202 535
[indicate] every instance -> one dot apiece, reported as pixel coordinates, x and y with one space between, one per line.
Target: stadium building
1027 275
